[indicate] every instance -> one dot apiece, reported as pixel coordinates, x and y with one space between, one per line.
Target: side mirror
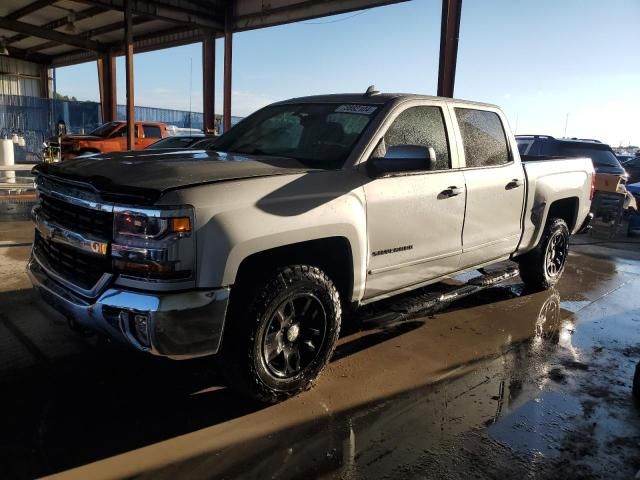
403 158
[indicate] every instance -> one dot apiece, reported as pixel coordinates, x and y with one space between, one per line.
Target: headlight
154 243
140 225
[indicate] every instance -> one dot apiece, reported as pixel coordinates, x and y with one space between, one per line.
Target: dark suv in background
632 167
545 146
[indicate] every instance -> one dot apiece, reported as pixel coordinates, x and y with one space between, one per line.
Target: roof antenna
371 91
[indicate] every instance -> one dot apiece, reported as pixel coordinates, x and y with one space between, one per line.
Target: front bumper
179 325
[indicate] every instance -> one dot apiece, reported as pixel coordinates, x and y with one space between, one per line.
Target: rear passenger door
152 133
495 185
414 219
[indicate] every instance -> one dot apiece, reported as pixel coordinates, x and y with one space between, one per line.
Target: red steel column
107 81
449 33
44 81
128 51
208 82
228 62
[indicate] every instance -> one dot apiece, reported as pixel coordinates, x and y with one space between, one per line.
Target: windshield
322 135
601 158
105 130
174 142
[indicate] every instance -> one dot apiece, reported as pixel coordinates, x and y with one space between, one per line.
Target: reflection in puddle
500 389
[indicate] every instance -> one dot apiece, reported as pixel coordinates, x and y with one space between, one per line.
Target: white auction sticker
361 109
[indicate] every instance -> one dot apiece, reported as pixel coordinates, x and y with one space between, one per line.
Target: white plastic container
7 159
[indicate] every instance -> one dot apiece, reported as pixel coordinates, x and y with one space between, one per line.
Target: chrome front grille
73 235
95 222
78 268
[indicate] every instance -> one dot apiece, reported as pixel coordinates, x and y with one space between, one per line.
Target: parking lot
520 382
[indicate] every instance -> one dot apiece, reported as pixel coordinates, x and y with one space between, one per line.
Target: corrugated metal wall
18 77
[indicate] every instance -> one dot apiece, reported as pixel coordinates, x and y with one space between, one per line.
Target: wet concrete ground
504 383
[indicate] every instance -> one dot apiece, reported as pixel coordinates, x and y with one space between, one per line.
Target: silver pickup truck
253 246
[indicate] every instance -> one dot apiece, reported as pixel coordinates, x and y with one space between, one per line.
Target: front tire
278 344
542 267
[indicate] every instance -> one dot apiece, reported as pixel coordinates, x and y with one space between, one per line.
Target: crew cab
253 248
111 137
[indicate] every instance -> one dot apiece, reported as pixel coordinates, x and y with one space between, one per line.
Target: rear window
483 138
599 156
151 131
524 146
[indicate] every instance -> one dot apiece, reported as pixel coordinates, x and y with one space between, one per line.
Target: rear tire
542 267
281 334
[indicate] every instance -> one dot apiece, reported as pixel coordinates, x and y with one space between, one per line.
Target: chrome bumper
179 326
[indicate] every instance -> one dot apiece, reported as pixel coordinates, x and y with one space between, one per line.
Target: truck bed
550 179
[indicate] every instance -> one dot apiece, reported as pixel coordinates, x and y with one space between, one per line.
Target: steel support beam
208 82
111 27
449 33
107 83
29 9
251 14
53 35
29 56
44 81
60 22
128 34
194 16
228 66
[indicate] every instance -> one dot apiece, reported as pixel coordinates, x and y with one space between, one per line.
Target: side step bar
407 305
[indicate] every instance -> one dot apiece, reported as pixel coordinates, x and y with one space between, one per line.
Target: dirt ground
504 383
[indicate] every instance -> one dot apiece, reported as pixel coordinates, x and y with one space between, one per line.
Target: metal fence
178 118
34 120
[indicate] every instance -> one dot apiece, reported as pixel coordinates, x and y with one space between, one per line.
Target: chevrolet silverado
252 247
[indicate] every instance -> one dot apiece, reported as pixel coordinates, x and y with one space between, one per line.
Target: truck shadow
97 399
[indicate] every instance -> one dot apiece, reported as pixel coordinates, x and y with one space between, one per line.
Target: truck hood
143 176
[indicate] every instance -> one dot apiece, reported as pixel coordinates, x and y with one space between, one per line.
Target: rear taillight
593 186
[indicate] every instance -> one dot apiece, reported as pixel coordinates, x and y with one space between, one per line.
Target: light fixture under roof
71 22
3 47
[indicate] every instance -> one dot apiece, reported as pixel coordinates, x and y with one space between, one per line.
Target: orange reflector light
180 224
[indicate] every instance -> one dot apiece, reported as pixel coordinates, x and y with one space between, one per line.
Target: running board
406 305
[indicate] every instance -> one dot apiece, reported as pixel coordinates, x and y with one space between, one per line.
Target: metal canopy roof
66 32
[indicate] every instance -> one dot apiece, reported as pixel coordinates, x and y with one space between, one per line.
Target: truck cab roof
378 98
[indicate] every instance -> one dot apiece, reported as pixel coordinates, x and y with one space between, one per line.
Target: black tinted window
174 142
322 135
599 156
483 138
524 146
105 130
123 132
422 126
151 131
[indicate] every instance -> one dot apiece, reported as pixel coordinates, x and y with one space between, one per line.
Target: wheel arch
565 208
84 150
333 255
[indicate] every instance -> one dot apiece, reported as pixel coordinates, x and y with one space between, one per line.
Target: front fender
237 219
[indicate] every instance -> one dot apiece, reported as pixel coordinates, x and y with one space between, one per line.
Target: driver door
415 219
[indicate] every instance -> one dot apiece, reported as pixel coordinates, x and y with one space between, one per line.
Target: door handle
451 192
515 183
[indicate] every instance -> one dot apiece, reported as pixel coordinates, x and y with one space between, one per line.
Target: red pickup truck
111 137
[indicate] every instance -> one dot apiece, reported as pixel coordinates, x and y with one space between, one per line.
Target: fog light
141 326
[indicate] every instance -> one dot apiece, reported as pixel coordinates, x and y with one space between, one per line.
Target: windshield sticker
361 109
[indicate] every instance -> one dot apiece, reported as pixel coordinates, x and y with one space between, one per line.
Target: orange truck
111 137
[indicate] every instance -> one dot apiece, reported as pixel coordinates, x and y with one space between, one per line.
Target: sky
550 65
